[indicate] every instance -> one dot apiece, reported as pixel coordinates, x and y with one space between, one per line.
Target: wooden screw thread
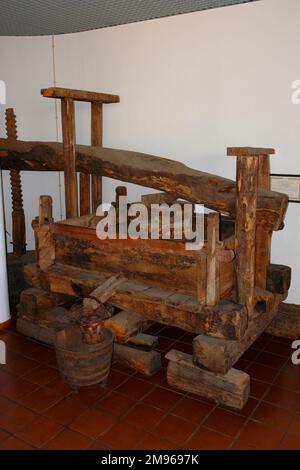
18 217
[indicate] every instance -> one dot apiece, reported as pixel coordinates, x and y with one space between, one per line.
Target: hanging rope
56 121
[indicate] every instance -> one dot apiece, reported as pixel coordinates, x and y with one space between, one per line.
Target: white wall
190 86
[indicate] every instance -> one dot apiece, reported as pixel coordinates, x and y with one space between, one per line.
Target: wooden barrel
82 364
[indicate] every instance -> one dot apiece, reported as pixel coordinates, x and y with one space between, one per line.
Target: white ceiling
39 17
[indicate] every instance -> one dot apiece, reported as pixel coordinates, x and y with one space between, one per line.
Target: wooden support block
286 323
231 389
32 275
45 326
126 325
201 273
33 301
44 245
68 132
145 362
143 341
220 355
279 279
45 210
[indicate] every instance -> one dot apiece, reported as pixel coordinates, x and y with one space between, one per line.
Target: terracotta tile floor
39 411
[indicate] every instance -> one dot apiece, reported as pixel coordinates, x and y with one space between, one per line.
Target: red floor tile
89 395
295 425
247 410
12 443
144 416
39 431
135 388
5 404
272 415
66 411
282 397
224 422
258 388
282 349
42 375
15 418
162 398
240 445
116 378
68 440
20 365
114 403
261 436
122 436
174 429
262 372
289 378
41 399
92 423
150 442
270 360
290 442
98 445
193 410
3 435
15 388
205 439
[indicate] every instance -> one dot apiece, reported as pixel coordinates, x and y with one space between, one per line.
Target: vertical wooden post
213 272
45 210
263 232
245 228
68 132
247 180
96 139
201 277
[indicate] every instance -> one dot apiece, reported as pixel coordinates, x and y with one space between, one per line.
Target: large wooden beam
215 192
225 320
231 389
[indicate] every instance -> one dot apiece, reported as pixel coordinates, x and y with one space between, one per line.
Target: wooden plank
79 95
125 325
215 192
221 355
286 323
68 132
34 301
249 151
231 389
158 198
102 293
32 275
225 320
247 175
96 140
144 362
213 267
151 261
